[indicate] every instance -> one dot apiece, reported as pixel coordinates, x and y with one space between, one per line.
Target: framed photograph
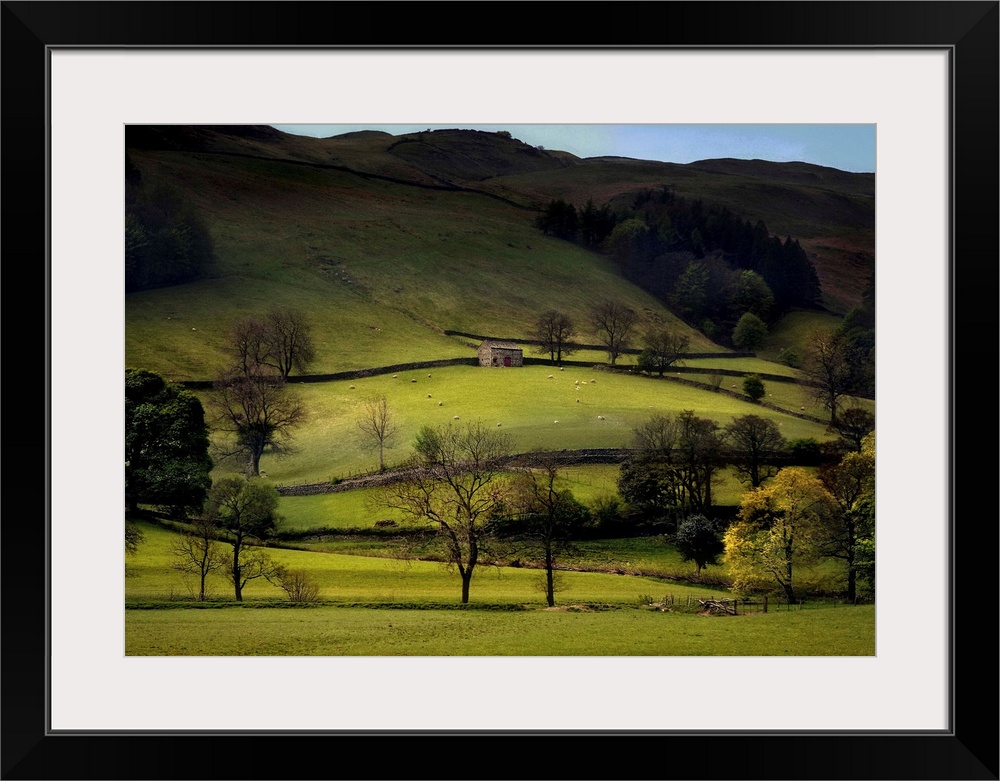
922 74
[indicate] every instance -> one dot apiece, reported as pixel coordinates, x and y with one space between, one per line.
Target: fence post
765 603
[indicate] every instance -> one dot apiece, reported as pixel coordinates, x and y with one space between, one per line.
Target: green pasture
360 508
333 631
536 406
371 579
383 607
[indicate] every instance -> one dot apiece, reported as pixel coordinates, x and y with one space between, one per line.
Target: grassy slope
380 269
535 411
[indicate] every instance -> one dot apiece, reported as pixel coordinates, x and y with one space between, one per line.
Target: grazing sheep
593 382
352 387
555 421
499 424
577 401
194 329
395 376
802 408
428 376
550 376
415 379
456 417
440 403
428 395
600 417
561 369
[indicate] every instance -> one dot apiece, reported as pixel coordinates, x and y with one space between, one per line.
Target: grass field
536 406
331 631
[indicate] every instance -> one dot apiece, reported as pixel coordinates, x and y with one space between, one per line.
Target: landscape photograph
499 391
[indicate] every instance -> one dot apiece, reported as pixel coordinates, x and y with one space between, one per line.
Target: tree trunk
237 586
255 463
550 592
466 580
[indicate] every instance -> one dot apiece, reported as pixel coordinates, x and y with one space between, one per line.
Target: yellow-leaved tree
780 526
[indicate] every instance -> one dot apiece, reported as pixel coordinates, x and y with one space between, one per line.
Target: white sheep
440 403
499 424
577 401
555 421
428 395
600 417
428 376
550 376
352 387
414 379
395 376
456 417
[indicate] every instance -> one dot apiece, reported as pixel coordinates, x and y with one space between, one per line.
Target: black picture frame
969 750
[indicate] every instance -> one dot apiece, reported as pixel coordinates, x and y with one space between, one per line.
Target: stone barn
500 354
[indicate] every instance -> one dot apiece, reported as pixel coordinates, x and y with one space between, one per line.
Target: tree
455 483
780 526
671 470
853 425
198 553
613 321
246 512
828 370
753 444
664 348
553 330
378 426
698 540
750 332
851 483
257 412
290 340
547 517
133 538
753 387
280 341
167 463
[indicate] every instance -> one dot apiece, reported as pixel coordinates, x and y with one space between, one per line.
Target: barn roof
504 345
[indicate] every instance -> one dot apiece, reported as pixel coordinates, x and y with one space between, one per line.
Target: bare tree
553 330
281 341
258 413
664 348
456 484
297 584
613 321
378 426
198 553
290 341
828 369
754 442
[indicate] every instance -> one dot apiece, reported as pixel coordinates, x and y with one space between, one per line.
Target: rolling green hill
385 242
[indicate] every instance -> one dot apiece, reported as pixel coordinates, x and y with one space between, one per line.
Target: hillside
387 241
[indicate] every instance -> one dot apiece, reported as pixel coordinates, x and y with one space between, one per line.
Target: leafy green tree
748 292
750 332
780 526
753 387
664 348
853 425
698 540
691 291
753 444
246 511
167 462
456 483
628 242
548 518
851 483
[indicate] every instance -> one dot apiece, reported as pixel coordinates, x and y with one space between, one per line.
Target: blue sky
847 147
